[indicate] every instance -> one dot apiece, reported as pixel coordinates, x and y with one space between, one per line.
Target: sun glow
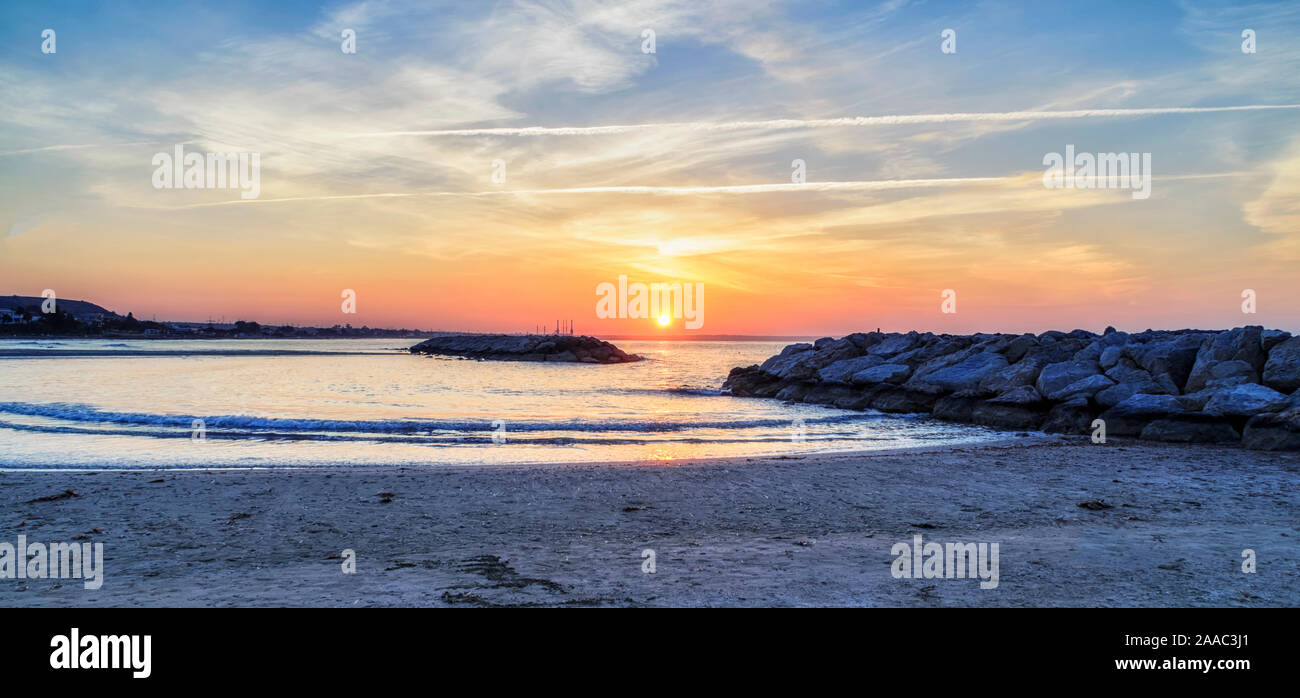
664 320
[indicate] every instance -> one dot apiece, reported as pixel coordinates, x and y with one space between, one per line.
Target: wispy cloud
788 188
80 146
840 122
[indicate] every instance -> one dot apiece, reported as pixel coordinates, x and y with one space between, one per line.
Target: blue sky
133 79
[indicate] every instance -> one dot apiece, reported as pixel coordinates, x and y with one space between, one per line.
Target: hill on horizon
82 310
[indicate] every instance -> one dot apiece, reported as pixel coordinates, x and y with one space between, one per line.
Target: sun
665 319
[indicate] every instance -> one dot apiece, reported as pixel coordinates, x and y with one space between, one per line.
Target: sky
377 167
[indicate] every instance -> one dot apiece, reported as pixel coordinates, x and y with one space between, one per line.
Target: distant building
10 316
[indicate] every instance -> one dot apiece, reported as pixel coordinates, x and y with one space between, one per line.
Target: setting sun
665 319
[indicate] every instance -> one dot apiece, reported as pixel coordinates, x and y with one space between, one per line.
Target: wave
247 423
443 440
679 390
129 353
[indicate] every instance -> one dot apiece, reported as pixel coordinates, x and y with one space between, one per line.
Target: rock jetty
1188 386
528 347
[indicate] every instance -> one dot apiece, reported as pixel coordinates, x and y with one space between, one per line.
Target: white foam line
782 124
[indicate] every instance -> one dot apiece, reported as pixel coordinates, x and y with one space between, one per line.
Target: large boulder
1246 400
902 399
1007 416
1229 373
1018 347
1024 372
991 342
955 409
793 391
884 373
828 351
1092 352
1130 416
794 361
805 364
1110 356
1055 378
931 347
1271 338
1171 356
967 374
1054 348
1085 388
841 371
854 401
865 340
829 393
1069 417
749 381
923 367
1119 392
1018 408
1195 402
895 344
1277 431
1127 371
1282 370
1242 346
1023 395
1112 347
1190 428
1114 338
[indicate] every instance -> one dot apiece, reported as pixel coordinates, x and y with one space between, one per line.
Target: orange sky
678 166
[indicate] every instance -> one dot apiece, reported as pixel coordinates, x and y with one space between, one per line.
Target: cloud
841 122
82 146
17 226
1276 210
789 188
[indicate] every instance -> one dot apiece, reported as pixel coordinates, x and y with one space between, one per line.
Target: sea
106 404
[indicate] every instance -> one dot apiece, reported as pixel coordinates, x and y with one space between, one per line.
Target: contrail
786 124
875 185
871 185
71 147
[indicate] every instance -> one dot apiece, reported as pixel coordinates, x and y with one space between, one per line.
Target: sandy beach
1169 530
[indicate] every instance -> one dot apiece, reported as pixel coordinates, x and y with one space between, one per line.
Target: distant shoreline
129 353
712 338
419 335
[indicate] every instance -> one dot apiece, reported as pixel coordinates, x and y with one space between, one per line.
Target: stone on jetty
528 347
1187 386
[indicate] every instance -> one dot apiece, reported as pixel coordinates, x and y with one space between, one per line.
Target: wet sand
787 531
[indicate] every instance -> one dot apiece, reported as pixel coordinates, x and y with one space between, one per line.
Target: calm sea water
368 401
